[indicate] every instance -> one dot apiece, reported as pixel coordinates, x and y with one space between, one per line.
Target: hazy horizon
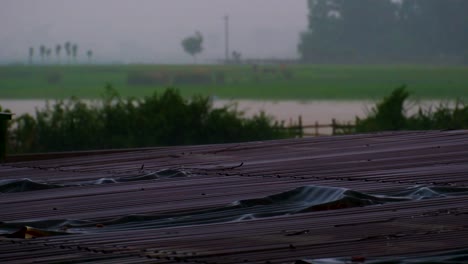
150 31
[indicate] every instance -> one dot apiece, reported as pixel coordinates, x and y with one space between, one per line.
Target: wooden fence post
333 126
301 130
316 129
4 117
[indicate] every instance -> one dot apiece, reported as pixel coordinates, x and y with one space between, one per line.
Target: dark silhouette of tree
236 56
48 52
31 55
89 53
42 52
193 45
74 51
68 50
440 26
58 48
377 31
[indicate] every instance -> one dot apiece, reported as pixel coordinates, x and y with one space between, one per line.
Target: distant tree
236 56
42 52
193 45
74 51
436 27
58 48
89 53
68 50
342 30
48 52
31 55
385 31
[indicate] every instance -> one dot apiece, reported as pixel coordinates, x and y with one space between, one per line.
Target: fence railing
314 130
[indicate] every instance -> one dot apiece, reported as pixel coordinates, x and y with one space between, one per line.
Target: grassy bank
302 82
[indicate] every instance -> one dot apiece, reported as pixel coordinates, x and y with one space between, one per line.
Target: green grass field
309 82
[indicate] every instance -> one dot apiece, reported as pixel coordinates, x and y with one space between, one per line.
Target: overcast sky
150 31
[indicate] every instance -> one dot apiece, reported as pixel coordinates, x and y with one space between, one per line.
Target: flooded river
311 111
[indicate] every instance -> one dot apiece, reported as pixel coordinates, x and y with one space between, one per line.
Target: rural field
272 82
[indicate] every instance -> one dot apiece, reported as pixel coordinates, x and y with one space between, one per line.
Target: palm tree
58 48
48 52
89 53
31 55
74 51
42 51
68 50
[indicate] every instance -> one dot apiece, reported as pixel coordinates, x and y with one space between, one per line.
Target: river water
310 111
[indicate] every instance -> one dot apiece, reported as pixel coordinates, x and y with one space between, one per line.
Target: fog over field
150 31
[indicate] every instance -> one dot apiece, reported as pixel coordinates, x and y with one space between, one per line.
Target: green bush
157 120
389 115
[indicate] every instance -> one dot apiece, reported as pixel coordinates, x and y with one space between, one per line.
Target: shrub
389 114
156 120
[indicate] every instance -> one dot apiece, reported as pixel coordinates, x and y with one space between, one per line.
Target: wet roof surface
356 197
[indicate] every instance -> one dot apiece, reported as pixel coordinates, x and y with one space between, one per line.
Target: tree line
376 31
45 53
191 45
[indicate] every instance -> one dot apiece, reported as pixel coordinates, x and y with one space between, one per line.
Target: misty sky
150 31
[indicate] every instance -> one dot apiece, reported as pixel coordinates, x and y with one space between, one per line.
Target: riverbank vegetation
161 119
390 114
168 119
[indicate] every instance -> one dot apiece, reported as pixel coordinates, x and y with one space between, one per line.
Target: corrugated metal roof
224 203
